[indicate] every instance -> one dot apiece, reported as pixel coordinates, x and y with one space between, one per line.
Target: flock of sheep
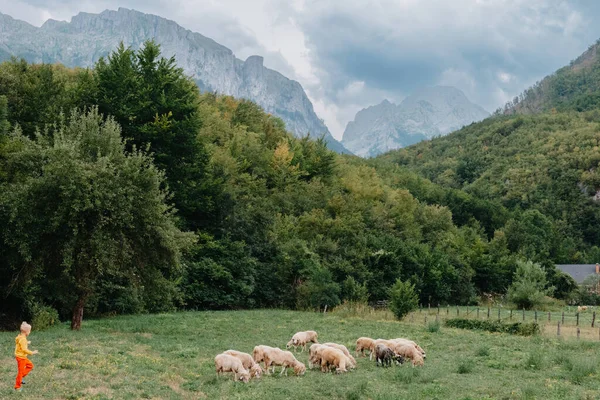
327 355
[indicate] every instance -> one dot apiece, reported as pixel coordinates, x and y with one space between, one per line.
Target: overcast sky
349 54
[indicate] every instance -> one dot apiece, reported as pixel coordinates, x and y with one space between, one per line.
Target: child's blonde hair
25 327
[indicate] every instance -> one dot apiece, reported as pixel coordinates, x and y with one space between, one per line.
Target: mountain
427 113
539 158
214 67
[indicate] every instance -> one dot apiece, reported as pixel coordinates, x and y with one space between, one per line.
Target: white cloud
352 54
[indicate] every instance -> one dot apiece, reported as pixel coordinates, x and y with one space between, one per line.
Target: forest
123 189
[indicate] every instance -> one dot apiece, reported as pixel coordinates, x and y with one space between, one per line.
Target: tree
77 207
528 289
157 106
403 298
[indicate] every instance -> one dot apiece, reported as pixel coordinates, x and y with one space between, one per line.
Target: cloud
352 54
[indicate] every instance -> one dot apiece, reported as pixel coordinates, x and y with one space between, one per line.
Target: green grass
170 356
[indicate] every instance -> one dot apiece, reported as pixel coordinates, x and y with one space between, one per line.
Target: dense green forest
124 190
529 173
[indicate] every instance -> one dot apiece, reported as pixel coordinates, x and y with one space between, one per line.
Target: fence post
535 315
419 309
578 333
548 316
577 319
477 312
428 308
438 308
325 310
448 309
563 318
426 320
412 317
558 329
510 314
457 310
593 318
498 313
523 314
488 315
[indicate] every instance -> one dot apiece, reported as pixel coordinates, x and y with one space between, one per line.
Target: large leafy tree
77 207
157 106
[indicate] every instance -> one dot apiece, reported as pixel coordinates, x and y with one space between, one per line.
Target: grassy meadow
170 356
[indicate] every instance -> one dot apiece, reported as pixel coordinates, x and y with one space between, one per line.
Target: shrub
43 317
465 367
516 328
403 298
528 289
433 326
483 351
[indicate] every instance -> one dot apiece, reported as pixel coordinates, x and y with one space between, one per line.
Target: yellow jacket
21 350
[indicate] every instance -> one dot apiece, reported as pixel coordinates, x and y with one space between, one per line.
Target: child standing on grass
21 352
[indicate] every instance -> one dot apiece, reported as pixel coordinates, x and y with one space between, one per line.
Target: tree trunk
78 313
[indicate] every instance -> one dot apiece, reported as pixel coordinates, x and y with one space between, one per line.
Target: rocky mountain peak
88 37
429 112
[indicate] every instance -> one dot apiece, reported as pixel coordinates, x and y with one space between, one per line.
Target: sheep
343 349
362 344
331 356
410 342
286 359
386 342
259 352
247 361
581 308
409 351
314 354
301 339
384 356
228 363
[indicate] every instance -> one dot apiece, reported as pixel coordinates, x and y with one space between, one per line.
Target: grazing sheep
384 355
247 361
343 349
410 342
409 351
386 342
227 363
259 352
301 339
286 359
364 343
581 308
314 354
333 357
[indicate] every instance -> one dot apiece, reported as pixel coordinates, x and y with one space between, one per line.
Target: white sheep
314 354
259 352
247 361
409 351
410 342
364 343
343 349
285 359
300 339
227 363
331 356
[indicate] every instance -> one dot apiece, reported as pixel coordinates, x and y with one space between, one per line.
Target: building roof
578 271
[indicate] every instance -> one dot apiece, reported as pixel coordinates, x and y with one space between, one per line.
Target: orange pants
25 366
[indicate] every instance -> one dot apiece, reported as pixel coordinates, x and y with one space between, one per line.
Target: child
21 351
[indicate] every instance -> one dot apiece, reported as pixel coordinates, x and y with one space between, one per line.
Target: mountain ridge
88 37
424 114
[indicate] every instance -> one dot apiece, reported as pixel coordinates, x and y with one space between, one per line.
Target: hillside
427 113
88 37
573 87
